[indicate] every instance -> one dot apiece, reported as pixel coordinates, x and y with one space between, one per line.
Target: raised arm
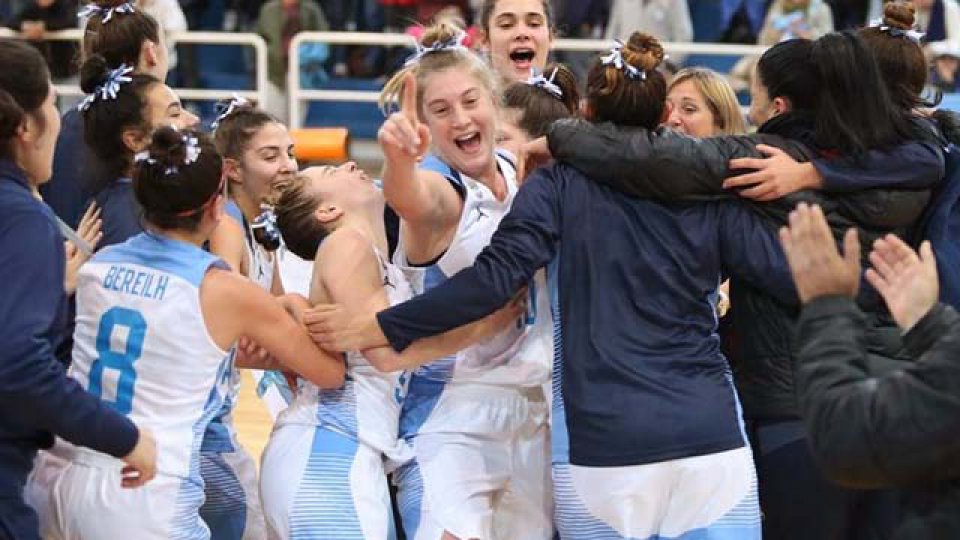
423 199
661 164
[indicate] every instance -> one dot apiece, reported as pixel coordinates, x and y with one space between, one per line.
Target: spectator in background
668 20
939 20
427 10
398 14
787 19
171 18
853 13
39 16
279 21
736 21
790 19
946 63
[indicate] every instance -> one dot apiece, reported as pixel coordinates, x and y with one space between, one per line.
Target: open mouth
522 58
468 143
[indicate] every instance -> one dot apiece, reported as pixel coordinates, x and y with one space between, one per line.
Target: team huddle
511 334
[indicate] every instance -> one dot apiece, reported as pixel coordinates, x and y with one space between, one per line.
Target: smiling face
165 109
519 37
461 115
689 112
267 160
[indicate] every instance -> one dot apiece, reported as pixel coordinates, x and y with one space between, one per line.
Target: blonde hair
443 31
718 95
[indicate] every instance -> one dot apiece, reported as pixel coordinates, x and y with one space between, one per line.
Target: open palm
907 281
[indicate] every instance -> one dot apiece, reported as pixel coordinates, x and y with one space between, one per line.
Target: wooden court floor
251 418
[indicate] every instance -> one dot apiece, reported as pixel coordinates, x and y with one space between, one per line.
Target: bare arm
227 242
241 308
350 274
421 198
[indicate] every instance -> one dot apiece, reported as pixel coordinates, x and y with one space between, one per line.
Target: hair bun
93 73
899 14
167 148
107 4
643 52
445 30
11 116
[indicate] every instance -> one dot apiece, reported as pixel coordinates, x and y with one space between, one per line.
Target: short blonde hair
718 95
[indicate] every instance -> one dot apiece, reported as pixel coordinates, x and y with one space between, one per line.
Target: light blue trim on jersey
409 484
559 437
337 408
323 506
440 370
232 210
224 507
435 164
575 522
181 259
186 523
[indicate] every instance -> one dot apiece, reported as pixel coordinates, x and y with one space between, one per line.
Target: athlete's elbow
385 362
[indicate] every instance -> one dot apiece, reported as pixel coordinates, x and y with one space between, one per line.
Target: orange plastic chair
321 144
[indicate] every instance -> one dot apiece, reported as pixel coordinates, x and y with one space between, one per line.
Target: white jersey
519 356
367 406
272 387
141 344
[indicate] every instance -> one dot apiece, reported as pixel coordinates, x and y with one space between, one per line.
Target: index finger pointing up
408 98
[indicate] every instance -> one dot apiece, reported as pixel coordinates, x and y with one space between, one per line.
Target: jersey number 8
119 361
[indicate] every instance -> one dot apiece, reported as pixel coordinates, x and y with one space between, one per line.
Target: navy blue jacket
643 379
120 212
37 400
76 173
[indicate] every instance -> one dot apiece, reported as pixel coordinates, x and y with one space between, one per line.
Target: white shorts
231 506
317 483
710 497
88 502
481 468
47 467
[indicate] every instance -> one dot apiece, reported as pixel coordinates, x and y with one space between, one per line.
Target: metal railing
297 96
205 38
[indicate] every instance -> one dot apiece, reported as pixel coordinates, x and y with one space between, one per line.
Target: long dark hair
837 81
105 120
24 86
120 39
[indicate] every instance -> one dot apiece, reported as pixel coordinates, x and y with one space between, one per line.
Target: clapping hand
907 282
818 268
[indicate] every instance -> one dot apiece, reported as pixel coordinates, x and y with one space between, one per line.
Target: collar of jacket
796 125
11 171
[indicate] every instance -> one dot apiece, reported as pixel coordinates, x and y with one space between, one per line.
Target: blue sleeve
32 381
912 165
751 251
524 242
